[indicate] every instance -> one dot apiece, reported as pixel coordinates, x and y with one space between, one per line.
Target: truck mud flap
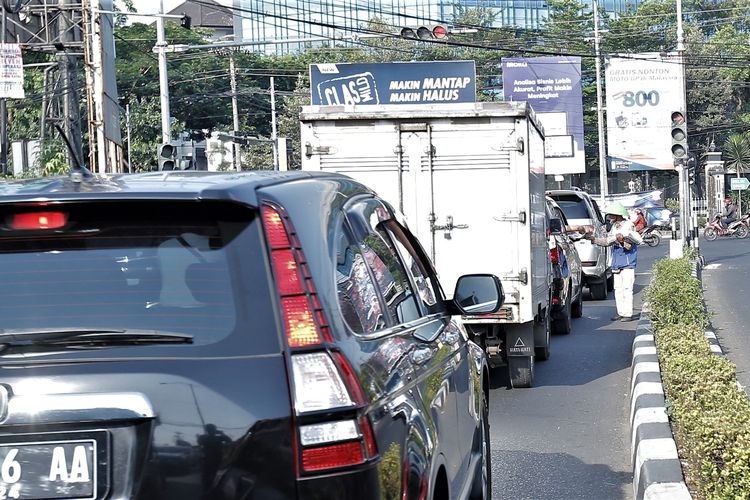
520 340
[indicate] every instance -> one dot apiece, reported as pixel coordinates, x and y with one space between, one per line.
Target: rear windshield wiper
89 336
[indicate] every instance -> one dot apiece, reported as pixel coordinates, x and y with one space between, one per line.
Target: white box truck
470 180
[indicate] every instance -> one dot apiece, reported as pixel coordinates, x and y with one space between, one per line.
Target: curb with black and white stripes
657 474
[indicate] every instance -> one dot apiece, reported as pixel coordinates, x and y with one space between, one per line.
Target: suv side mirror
555 226
478 294
608 225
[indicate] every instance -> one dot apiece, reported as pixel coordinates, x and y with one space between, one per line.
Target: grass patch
710 417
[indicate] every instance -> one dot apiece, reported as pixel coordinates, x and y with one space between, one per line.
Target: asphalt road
568 436
726 281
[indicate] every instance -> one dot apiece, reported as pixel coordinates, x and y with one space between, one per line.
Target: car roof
557 192
176 185
551 201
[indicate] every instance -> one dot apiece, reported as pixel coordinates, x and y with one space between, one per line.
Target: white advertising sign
11 71
643 90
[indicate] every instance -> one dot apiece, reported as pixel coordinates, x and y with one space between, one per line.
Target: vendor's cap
616 208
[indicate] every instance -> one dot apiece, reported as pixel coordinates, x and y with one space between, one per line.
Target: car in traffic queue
567 276
582 210
254 335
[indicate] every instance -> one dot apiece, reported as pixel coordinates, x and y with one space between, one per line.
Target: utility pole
274 134
682 177
235 111
161 46
71 113
4 111
96 93
127 127
603 187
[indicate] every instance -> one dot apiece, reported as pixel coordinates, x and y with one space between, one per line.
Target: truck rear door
460 172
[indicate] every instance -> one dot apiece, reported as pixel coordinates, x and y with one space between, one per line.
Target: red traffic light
678 118
427 32
440 31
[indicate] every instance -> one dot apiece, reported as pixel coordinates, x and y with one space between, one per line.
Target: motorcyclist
640 220
729 214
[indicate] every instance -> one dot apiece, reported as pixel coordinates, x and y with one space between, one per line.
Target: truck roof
512 109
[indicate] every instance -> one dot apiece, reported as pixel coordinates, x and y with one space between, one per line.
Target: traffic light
679 136
186 21
425 32
691 175
167 156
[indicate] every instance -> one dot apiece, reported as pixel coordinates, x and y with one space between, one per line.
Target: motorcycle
651 235
715 229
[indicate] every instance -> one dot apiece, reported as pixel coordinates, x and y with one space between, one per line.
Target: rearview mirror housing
555 226
478 294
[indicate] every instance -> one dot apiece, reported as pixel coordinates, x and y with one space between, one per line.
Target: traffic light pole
161 47
603 186
681 176
685 205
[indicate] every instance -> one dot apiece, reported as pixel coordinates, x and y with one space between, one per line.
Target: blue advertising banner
552 85
393 83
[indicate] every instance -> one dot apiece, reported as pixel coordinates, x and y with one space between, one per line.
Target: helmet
616 208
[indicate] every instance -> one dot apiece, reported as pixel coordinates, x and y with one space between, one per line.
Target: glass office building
280 26
289 25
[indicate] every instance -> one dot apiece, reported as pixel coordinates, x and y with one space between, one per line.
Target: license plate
49 468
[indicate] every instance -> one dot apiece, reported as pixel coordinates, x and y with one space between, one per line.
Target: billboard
552 85
643 90
393 83
11 71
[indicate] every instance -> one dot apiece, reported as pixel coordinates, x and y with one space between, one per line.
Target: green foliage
53 160
745 199
737 153
145 133
673 204
710 417
676 297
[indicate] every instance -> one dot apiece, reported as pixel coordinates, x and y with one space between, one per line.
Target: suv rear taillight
554 255
303 317
326 394
317 383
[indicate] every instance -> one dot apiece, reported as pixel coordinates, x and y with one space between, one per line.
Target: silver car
581 210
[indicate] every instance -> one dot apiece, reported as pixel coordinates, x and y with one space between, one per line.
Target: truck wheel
521 371
576 310
542 332
562 324
598 290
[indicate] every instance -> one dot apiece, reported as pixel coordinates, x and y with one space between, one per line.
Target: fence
699 205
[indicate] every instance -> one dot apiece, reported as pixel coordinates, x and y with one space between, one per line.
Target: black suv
231 336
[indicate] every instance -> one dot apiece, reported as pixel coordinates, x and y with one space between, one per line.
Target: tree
145 133
737 153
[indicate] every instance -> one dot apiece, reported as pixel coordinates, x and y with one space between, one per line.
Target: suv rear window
573 206
158 266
